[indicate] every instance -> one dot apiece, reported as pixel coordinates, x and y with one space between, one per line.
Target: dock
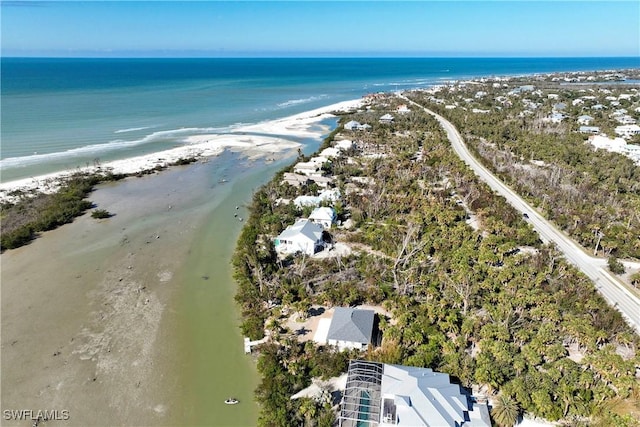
249 344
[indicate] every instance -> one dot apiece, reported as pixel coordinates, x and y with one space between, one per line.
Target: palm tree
505 411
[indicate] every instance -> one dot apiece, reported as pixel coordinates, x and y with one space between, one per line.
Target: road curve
611 288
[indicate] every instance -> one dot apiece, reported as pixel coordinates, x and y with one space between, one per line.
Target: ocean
60 114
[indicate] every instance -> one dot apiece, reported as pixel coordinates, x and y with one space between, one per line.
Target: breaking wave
174 135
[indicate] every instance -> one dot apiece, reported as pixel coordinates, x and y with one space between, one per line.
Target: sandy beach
261 139
131 320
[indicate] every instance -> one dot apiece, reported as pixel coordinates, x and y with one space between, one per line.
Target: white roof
421 395
344 144
628 128
330 152
323 213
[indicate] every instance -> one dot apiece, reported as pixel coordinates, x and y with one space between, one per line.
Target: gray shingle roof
352 325
302 227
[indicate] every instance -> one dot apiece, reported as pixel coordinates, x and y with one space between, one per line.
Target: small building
386 119
626 120
351 328
297 180
518 90
560 106
307 168
589 129
556 117
304 236
328 195
584 119
352 125
324 216
330 152
344 144
321 181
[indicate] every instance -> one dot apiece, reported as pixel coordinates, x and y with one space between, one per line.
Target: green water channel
216 366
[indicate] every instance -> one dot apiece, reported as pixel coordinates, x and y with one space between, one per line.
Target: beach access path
613 290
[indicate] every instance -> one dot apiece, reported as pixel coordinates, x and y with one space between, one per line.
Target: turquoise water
63 113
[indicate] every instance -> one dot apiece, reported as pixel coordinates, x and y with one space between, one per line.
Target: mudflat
100 317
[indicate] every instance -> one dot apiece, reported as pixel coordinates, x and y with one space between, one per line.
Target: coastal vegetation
21 221
592 195
25 214
469 288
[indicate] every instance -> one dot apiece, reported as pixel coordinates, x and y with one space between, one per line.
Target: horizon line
326 57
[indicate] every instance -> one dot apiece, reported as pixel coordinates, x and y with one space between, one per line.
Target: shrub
100 214
616 266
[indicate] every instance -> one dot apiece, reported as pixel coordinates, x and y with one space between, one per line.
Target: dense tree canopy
471 290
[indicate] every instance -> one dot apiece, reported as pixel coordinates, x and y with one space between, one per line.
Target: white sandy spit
199 146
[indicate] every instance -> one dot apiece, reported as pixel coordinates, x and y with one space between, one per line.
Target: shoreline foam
273 140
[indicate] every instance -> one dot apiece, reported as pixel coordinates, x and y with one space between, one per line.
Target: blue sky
320 28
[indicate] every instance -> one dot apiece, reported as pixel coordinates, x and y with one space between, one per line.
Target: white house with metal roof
589 129
330 195
304 236
384 395
351 328
353 125
325 216
585 119
386 119
627 131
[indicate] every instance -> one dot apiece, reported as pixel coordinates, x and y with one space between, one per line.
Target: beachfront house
353 125
295 179
302 237
344 144
307 168
321 181
324 216
330 152
330 195
398 395
351 328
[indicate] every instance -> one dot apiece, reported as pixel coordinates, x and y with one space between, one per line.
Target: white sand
200 146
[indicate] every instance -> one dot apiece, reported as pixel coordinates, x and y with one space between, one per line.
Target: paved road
595 268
